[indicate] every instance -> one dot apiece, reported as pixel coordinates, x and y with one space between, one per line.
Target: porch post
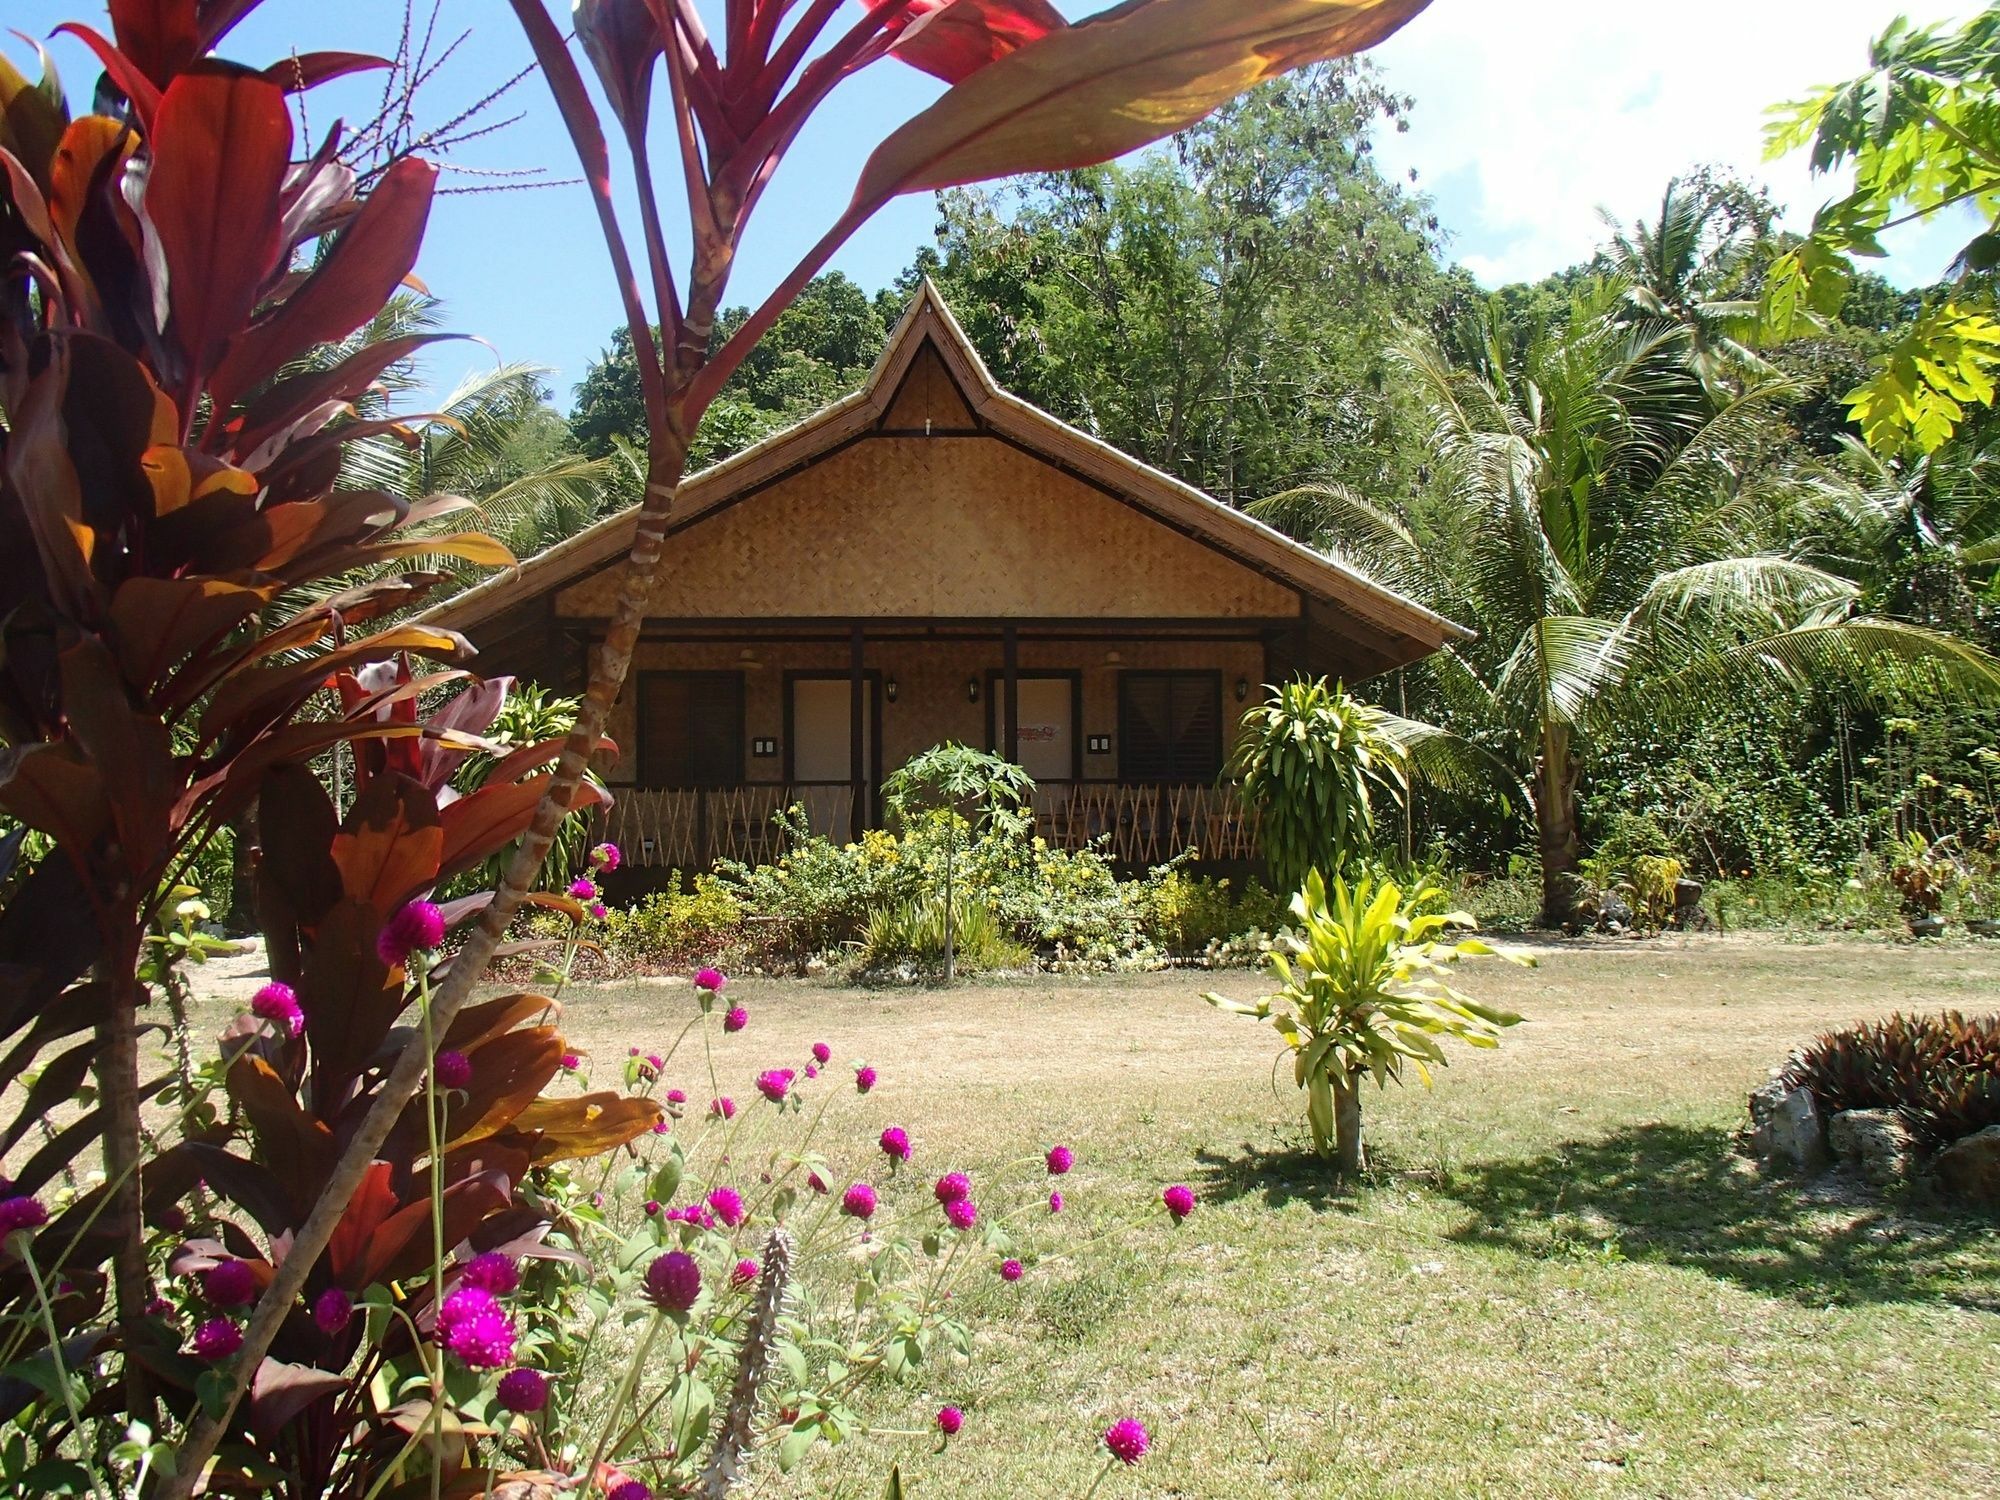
857 818
1010 665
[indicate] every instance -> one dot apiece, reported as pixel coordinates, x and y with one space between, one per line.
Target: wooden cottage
934 559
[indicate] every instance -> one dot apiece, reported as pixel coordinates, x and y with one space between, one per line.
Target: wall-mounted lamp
972 690
1242 689
1113 658
889 690
746 659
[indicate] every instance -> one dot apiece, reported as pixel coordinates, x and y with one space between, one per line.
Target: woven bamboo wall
945 526
931 702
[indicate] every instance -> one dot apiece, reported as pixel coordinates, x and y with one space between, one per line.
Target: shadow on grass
1677 1195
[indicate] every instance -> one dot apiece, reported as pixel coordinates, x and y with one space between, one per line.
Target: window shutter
1170 727
691 729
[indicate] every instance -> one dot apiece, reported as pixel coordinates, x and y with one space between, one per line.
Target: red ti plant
169 469
1028 91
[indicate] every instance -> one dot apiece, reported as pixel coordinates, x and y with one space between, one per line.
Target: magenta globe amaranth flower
949 1420
475 1330
598 911
673 1281
710 979
737 1019
952 1187
822 1054
279 1004
1011 1270
727 1205
583 888
745 1272
606 857
229 1283
1060 1160
817 1183
417 926
523 1391
1055 1203
725 1107
661 1127
217 1339
18 1214
492 1272
774 1084
331 1310
864 1079
571 1062
677 1096
451 1070
1179 1200
896 1143
858 1202
631 1489
961 1213
1127 1440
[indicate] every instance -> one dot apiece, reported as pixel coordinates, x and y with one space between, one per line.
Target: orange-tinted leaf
158 621
508 1073
402 1246
298 1149
280 1391
387 850
132 752
31 123
53 789
258 695
351 998
1095 91
92 151
372 1202
562 1129
276 410
478 1024
483 822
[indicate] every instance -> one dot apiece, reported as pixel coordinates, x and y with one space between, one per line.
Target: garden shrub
1189 916
913 931
1941 1073
674 928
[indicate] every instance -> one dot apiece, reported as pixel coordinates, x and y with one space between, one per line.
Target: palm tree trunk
1555 821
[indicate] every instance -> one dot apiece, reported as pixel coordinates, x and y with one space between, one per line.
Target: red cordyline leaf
220 145
368 261
953 39
127 74
161 37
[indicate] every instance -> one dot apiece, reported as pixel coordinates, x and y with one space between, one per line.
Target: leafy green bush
1189 916
1362 992
1940 1073
674 927
915 932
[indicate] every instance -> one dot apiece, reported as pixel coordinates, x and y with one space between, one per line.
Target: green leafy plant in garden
950 786
1311 760
1921 132
1941 1073
1363 994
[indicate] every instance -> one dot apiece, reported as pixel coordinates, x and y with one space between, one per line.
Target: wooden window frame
1212 675
677 674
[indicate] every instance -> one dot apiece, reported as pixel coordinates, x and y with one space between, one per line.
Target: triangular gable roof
902 388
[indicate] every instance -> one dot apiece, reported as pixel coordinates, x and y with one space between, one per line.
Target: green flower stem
625 1384
21 1243
1099 1480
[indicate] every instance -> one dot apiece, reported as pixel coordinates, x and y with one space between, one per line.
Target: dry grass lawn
1557 1280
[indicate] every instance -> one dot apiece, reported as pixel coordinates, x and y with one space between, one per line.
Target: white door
823 748
1046 748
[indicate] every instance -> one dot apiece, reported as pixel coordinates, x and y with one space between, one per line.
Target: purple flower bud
417 926
452 1070
492 1272
858 1201
949 1420
279 1005
523 1390
864 1079
331 1310
229 1283
673 1281
1127 1441
896 1143
737 1019
1179 1200
216 1340
1060 1160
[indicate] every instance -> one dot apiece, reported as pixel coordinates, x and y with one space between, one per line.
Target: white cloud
1531 117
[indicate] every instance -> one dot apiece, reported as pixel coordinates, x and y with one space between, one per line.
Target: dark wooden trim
1010 668
961 627
935 432
1129 674
855 748
1076 735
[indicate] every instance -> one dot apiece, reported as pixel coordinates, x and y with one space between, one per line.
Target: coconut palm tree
1613 537
1687 268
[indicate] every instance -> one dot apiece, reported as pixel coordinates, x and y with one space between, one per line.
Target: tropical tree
1363 992
1616 542
941 781
1921 131
1689 267
1311 760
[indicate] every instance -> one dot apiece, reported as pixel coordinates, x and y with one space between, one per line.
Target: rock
1786 1131
1969 1168
1615 912
1875 1140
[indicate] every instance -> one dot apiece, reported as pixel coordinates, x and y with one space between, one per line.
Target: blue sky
1529 118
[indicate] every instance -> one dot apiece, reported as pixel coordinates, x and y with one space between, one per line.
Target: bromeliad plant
1363 994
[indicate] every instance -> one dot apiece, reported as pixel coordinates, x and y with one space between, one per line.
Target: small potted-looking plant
1921 873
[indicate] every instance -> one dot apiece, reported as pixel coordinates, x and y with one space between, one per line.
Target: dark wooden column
856 766
1010 666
